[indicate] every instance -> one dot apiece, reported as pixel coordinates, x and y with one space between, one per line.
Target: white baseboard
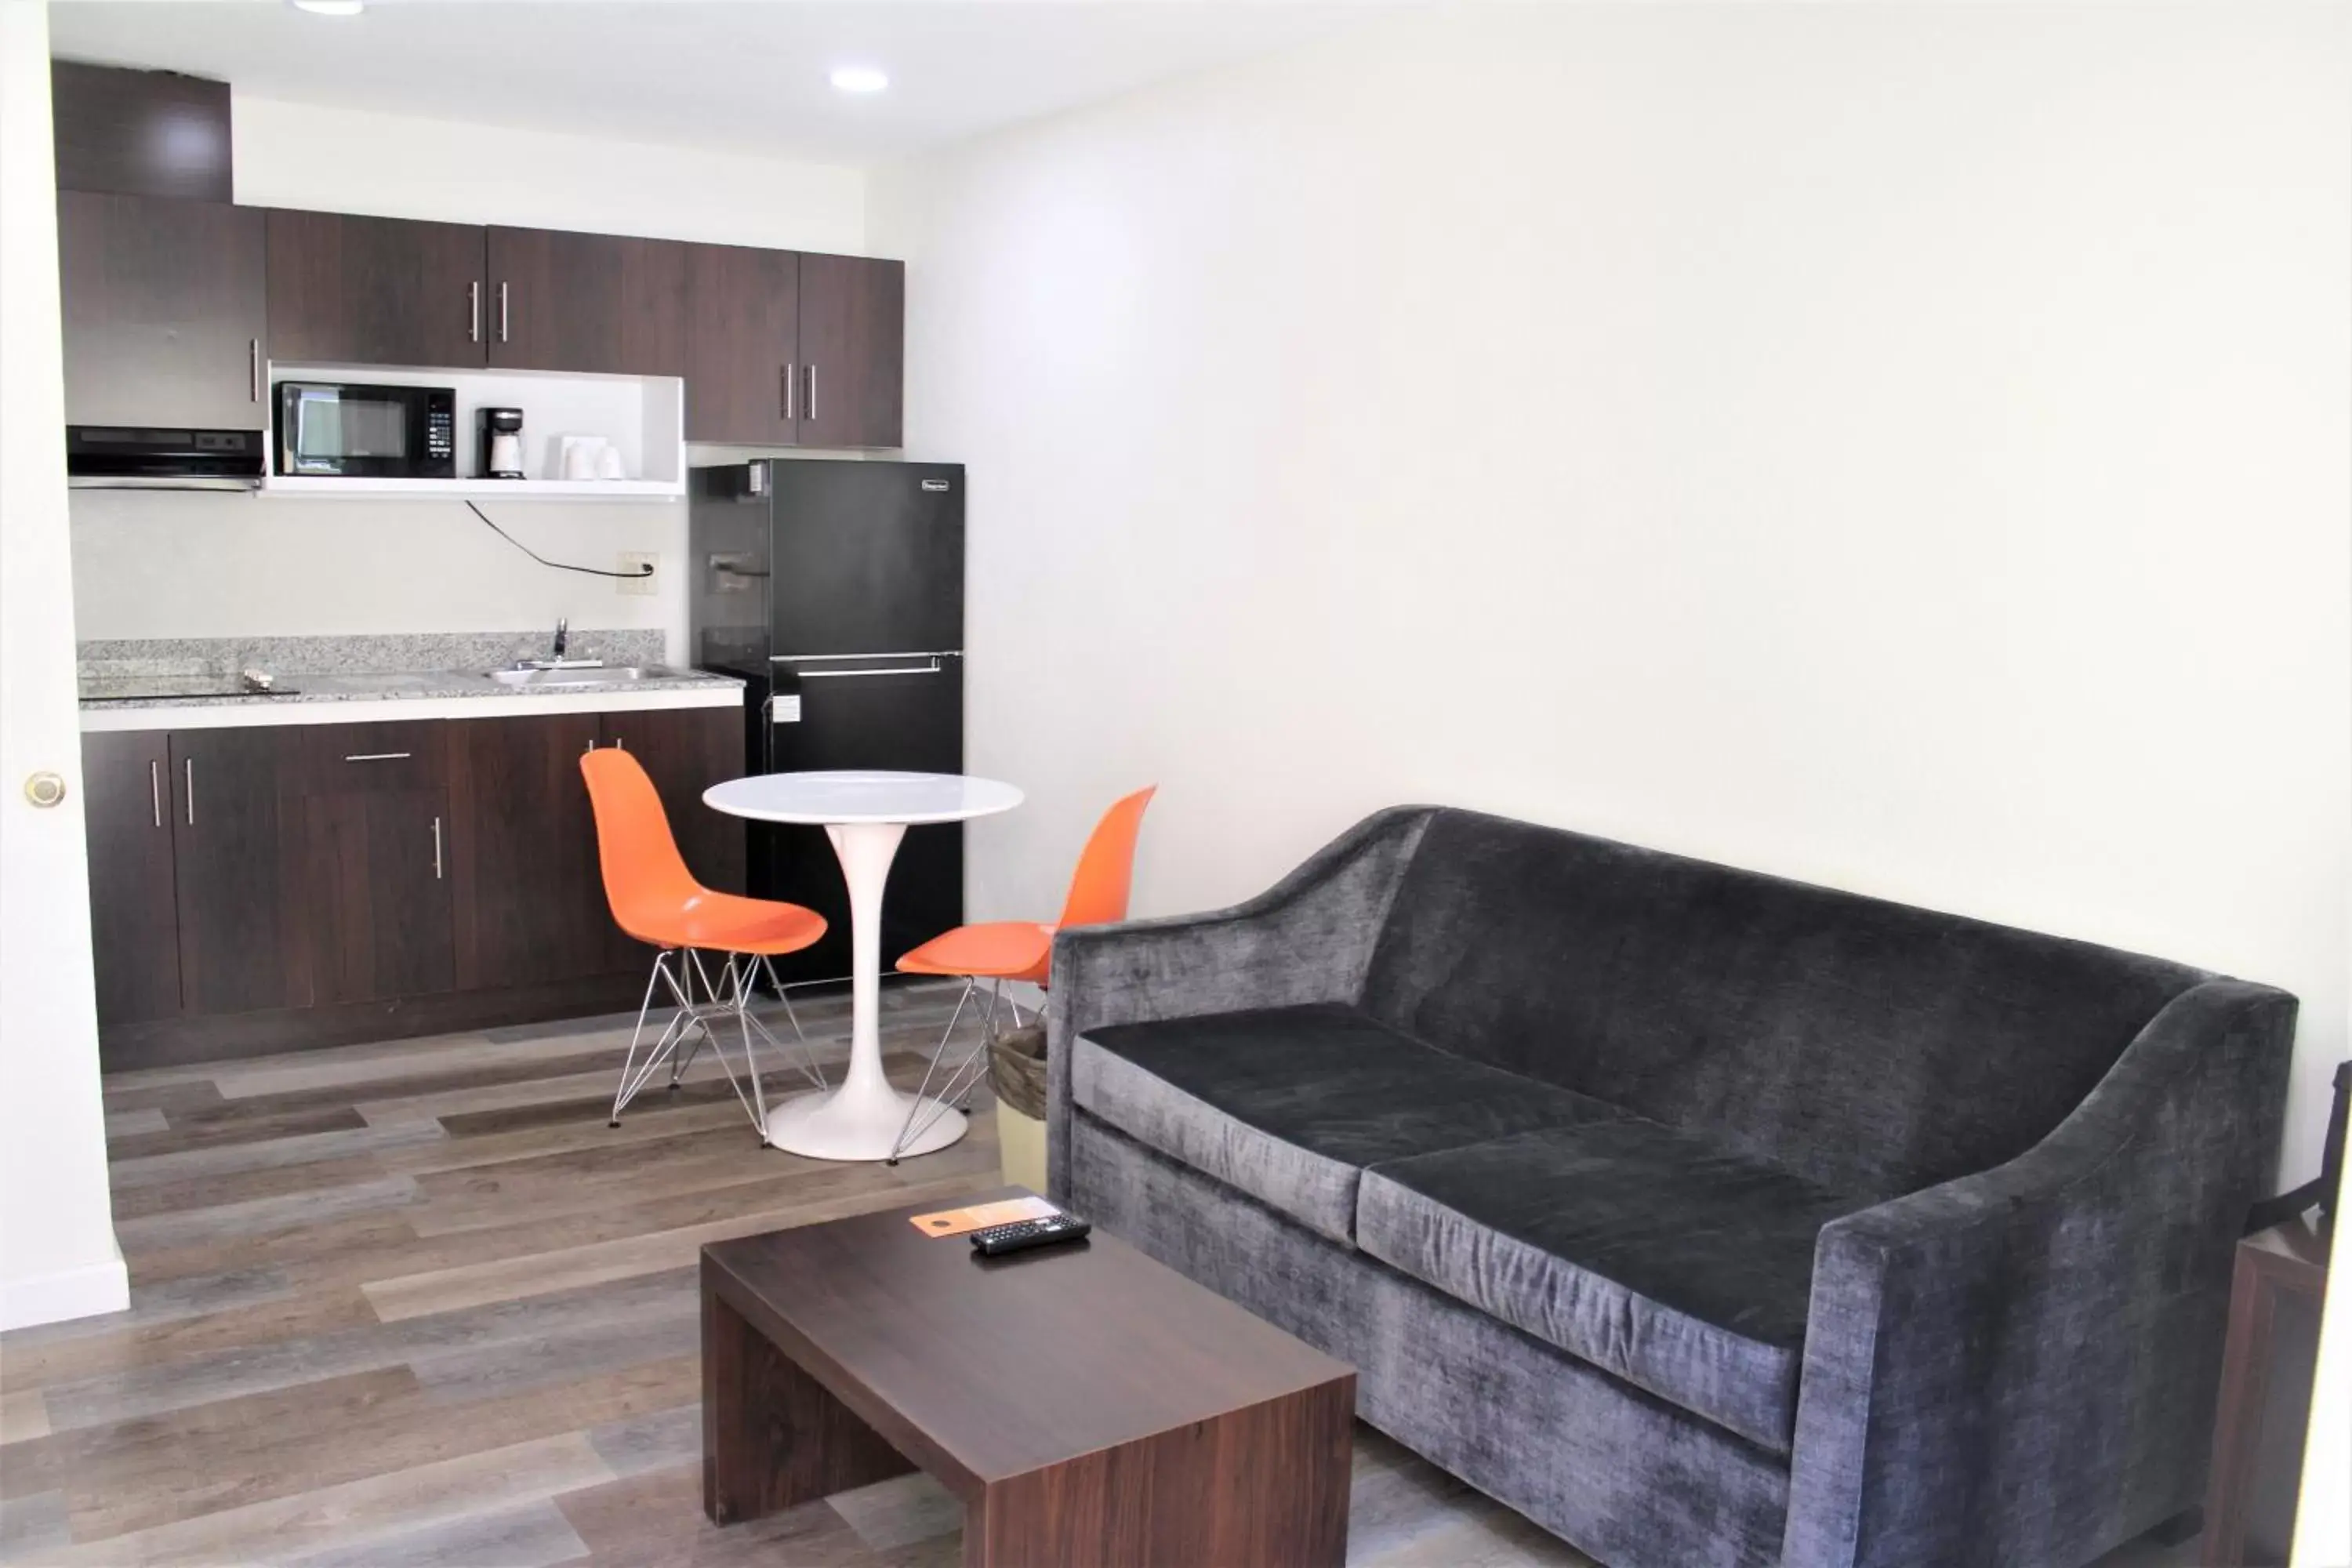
83 1293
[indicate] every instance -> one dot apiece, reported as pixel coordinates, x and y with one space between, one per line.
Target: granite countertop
371 668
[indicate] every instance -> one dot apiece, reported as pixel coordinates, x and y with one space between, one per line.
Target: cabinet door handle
188 770
379 756
811 392
502 311
155 789
620 743
253 363
788 391
437 850
474 311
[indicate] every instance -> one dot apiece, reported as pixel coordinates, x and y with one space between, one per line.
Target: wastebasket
1016 1072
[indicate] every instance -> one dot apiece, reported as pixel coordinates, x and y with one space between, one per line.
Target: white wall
198 565
395 165
192 565
1900 446
57 1256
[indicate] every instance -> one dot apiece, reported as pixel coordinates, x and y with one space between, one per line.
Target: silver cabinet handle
155 789
379 756
437 850
188 766
812 397
788 391
620 742
474 311
253 361
502 311
932 669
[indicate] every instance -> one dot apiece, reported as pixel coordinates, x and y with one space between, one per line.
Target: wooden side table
2267 1376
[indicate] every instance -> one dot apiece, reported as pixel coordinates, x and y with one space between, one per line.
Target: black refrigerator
835 591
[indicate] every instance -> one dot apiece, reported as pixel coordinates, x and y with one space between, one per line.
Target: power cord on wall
645 571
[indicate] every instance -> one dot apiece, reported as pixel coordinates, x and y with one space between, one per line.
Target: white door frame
58 1257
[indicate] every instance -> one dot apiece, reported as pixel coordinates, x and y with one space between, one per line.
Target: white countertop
344 701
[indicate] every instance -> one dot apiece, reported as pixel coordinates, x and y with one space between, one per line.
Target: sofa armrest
2019 1365
1308 938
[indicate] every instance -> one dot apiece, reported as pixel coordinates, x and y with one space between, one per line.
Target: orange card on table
956 1222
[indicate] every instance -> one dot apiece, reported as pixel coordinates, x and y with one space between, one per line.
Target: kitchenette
380 524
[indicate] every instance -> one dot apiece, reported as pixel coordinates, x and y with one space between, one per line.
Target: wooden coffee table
1088 1405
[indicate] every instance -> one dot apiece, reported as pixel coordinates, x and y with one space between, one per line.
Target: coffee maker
498 443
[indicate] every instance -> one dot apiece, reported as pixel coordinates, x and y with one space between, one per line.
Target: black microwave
367 432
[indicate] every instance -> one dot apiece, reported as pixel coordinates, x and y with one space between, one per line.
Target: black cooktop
161 688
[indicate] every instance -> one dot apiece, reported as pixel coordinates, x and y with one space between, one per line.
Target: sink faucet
556 658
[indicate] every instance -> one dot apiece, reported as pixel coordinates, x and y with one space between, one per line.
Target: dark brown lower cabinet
384 923
134 925
685 751
236 804
269 889
530 898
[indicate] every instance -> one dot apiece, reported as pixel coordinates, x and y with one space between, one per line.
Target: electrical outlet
648 561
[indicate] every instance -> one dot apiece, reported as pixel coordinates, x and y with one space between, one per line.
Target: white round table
864 814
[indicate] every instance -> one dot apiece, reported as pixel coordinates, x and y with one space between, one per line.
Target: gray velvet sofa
1703 1216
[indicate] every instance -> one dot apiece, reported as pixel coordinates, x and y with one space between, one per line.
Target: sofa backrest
1868 1045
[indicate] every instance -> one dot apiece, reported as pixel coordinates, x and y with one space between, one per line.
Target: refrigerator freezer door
867 557
819 718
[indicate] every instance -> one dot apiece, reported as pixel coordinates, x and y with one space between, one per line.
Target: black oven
367 432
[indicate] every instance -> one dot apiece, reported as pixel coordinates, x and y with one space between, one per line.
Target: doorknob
45 788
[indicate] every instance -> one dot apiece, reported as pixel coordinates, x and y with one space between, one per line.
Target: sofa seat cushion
1678 1264
1289 1104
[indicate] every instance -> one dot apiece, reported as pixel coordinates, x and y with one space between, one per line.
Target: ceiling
716 73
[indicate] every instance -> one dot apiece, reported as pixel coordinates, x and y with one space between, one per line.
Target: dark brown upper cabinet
852 330
134 924
165 314
375 290
742 353
140 133
601 302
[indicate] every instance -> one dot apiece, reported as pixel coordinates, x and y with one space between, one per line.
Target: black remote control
997 1240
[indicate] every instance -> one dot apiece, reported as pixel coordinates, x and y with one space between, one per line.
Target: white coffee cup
580 456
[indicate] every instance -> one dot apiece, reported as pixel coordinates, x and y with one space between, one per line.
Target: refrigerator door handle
929 667
835 657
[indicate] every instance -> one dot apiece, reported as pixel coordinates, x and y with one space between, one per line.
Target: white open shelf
644 417
451 490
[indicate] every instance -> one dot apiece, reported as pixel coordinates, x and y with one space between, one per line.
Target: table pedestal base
861 1120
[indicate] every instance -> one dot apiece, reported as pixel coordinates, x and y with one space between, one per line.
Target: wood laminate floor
415 1303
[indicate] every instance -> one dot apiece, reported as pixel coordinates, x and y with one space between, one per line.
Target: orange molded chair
655 899
1000 951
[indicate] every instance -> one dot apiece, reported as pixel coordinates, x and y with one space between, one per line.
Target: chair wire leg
811 1067
717 1049
713 998
744 1024
622 1096
917 1122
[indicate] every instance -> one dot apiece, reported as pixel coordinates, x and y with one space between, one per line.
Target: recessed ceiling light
330 8
859 79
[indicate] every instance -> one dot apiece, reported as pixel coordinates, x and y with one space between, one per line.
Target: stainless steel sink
600 675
